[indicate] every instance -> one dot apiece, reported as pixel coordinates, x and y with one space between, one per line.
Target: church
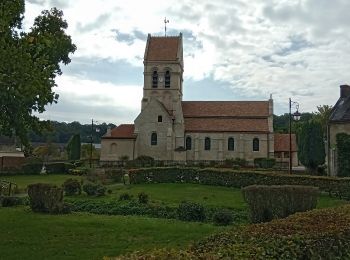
171 129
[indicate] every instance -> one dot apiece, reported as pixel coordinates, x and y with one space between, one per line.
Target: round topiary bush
191 211
143 198
72 187
223 217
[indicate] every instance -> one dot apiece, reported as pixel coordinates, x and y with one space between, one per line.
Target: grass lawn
28 235
23 180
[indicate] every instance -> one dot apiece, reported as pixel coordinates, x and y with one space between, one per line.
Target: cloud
96 24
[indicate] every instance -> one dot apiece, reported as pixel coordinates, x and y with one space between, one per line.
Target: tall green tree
74 148
29 64
311 145
322 115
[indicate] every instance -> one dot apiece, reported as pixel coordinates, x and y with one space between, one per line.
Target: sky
233 50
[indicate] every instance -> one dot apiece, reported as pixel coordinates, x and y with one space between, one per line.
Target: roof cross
165 22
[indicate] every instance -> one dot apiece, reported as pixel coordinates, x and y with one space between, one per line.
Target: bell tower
163 71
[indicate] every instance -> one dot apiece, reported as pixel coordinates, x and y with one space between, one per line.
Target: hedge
343 158
339 187
316 234
278 201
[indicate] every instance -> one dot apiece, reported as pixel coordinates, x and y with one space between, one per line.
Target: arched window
155 79
231 144
256 144
160 119
154 139
167 79
188 143
207 143
113 148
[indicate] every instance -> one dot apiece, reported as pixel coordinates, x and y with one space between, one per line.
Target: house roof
254 109
124 131
282 143
341 110
226 125
162 48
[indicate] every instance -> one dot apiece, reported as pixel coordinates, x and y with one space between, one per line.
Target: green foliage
115 174
271 202
10 201
29 64
32 168
73 148
339 187
317 234
82 170
58 167
191 211
125 196
264 162
143 197
311 145
343 154
223 217
46 198
71 187
322 116
141 161
93 189
86 152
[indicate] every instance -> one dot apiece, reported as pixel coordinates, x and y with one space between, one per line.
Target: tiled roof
124 131
225 108
206 124
162 48
341 111
282 143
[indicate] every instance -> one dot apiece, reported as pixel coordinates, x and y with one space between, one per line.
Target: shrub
115 174
74 147
58 167
264 162
32 168
93 189
125 196
9 201
271 202
317 234
339 187
222 217
46 198
81 170
191 211
71 187
343 158
143 197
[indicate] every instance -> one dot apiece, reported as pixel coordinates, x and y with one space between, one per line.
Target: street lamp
92 139
296 117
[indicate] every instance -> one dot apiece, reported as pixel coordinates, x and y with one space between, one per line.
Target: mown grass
28 235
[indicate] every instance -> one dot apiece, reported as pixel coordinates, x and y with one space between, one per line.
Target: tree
29 64
311 145
322 115
74 147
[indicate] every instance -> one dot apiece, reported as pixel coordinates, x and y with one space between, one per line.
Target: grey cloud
303 93
297 43
61 4
118 72
100 21
37 2
129 38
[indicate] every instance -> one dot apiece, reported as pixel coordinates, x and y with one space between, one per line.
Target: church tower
160 125
163 71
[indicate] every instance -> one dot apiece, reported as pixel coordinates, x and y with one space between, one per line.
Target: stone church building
168 128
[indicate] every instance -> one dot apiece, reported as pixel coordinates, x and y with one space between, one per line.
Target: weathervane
165 22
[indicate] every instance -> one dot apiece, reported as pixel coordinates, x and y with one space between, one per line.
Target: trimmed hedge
58 167
271 202
316 234
339 187
264 163
343 147
46 198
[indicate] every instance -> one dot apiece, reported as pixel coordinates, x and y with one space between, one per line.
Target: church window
160 119
167 79
154 139
256 144
207 143
188 143
231 144
155 79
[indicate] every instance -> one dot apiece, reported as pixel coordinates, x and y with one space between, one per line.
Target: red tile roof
162 48
282 143
253 125
124 131
225 108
